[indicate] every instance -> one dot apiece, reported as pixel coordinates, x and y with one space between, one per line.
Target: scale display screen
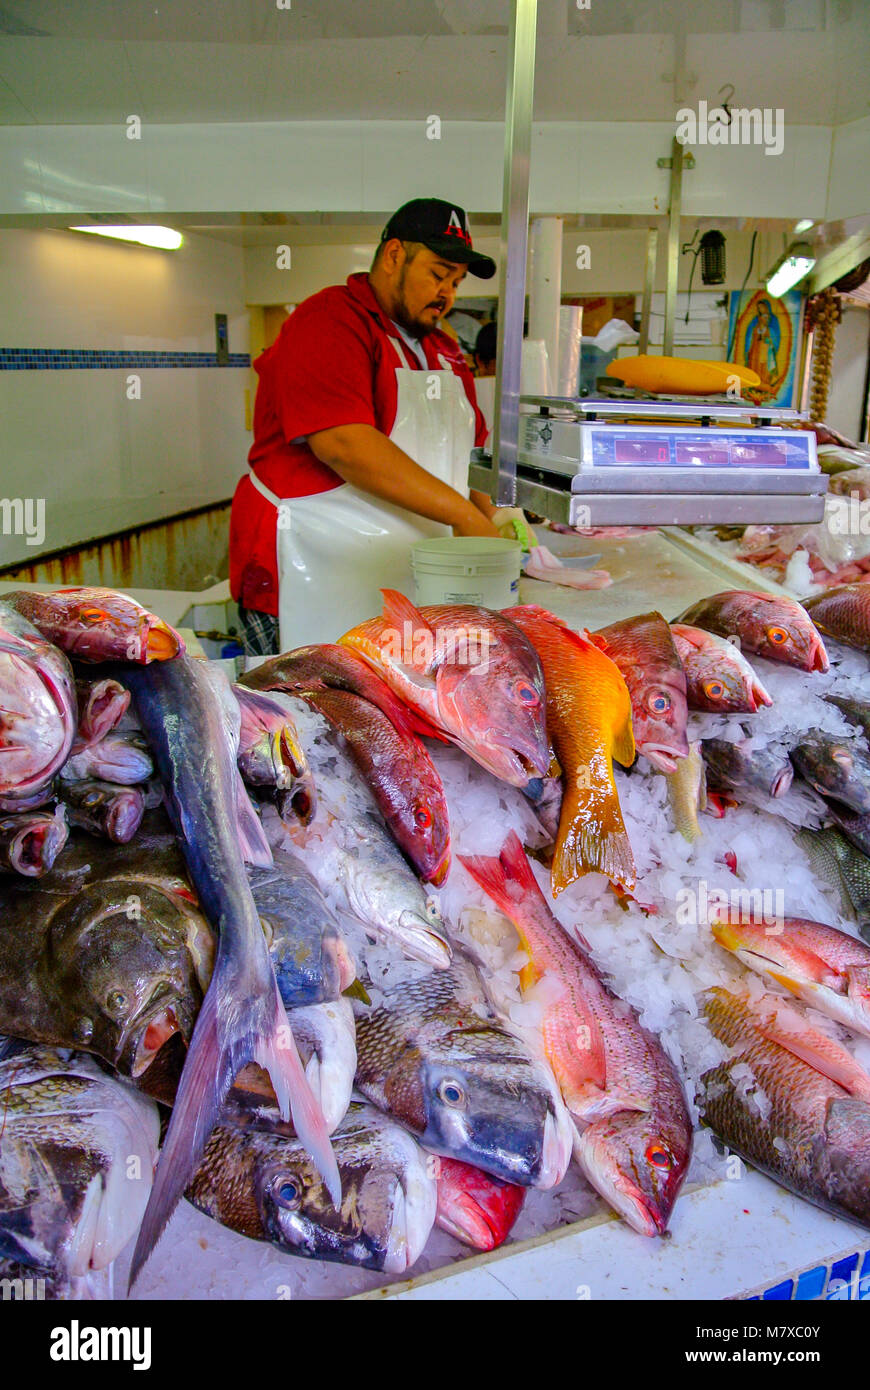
652 447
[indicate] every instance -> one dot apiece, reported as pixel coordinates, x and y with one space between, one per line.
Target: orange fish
589 721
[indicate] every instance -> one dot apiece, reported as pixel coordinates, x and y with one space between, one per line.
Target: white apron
338 549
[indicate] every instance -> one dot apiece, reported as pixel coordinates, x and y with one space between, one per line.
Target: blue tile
811 1284
779 1292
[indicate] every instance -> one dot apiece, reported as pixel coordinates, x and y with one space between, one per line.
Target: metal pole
673 251
545 291
649 277
514 245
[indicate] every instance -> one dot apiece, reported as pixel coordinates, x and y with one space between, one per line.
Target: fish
835 767
644 650
831 856
470 673
333 667
432 1053
95 624
856 711
242 1018
843 613
270 755
749 765
257 1178
634 1137
821 965
311 961
687 794
103 808
38 710
589 717
542 564
30 841
475 1207
398 770
770 625
102 705
326 1037
791 1102
77 1150
718 676
123 759
105 953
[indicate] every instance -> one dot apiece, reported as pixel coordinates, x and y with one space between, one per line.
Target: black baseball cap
443 228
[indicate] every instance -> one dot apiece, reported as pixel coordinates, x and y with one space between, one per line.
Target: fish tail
507 878
600 845
255 1029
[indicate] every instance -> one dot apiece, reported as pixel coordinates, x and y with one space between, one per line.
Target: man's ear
393 254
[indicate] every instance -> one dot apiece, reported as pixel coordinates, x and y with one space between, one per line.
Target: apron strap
261 488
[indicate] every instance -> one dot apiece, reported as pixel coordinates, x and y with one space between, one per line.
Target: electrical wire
740 294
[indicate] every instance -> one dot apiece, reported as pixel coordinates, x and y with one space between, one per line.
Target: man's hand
475 524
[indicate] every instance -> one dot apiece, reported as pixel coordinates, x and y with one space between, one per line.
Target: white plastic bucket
467 569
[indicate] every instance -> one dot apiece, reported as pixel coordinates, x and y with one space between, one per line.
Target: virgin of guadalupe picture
763 335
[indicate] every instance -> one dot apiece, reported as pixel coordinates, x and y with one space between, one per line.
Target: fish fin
624 750
224 1039
598 641
785 1026
858 983
600 846
507 878
398 609
252 837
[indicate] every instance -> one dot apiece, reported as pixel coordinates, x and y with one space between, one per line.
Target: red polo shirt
329 366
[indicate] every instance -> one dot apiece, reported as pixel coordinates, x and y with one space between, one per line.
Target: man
364 422
485 350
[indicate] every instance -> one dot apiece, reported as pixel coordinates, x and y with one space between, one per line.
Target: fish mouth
782 781
36 849
338 956
413 1214
438 875
159 642
469 1223
158 1030
818 656
602 1171
556 1150
422 940
663 756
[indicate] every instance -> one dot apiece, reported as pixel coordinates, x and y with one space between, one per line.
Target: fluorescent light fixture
164 238
804 225
791 267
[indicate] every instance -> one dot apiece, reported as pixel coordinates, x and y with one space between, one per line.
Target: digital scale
674 462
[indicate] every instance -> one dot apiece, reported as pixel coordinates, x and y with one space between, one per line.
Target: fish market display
311 961
820 964
433 1055
257 1178
475 1207
103 953
469 673
269 754
94 624
785 1113
718 676
644 650
30 841
767 624
77 1151
401 775
615 1078
844 613
38 712
242 1016
589 716
103 808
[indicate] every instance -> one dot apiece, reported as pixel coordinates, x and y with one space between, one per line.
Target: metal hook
729 88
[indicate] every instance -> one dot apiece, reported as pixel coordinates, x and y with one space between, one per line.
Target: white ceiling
168 61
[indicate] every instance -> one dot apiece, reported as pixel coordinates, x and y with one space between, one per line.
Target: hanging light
163 238
791 267
713 258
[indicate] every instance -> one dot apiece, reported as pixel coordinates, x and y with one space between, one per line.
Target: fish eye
289 1194
92 799
777 635
423 817
526 694
116 1001
91 616
451 1093
714 689
842 756
659 702
659 1156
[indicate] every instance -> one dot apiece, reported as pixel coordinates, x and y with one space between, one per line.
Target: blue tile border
78 359
837 1281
